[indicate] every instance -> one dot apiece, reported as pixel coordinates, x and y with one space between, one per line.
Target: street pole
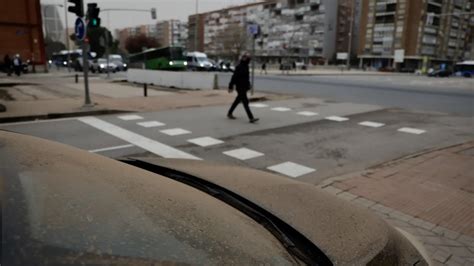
85 60
107 45
67 37
253 63
349 48
196 27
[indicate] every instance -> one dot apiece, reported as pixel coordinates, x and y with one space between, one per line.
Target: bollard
77 78
216 82
145 90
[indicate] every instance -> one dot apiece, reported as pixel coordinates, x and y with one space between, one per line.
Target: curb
15 119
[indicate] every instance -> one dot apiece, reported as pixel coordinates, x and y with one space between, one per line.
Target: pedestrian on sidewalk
17 64
241 80
7 64
264 68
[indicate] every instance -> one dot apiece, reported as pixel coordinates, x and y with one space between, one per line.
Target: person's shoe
254 120
231 117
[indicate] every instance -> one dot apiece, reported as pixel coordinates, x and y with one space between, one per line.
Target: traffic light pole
85 68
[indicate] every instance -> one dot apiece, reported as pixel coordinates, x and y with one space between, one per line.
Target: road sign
399 56
254 29
80 29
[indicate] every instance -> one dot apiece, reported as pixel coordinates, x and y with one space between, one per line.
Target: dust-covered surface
63 203
347 234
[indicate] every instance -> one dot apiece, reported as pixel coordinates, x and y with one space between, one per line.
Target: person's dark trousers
241 98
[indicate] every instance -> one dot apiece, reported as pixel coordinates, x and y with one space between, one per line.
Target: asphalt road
453 95
315 147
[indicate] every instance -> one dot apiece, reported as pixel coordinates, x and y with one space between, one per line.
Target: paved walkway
430 195
40 96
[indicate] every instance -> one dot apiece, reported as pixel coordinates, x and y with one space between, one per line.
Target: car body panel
64 203
345 233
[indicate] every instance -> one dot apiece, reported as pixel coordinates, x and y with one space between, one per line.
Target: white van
198 61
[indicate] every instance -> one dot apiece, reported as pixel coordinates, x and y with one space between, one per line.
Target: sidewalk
430 195
328 72
45 98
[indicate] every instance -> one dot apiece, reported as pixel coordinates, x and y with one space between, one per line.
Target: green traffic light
94 22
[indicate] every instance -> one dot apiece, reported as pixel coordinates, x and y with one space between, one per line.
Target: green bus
166 58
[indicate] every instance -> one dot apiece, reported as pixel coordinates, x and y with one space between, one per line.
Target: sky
166 9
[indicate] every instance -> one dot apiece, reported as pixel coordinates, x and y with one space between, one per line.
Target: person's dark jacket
241 77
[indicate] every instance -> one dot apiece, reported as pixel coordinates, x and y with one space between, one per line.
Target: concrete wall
183 80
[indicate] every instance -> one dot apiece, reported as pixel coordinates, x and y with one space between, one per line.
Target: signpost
254 31
81 32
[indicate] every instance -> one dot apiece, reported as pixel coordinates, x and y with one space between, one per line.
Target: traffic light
93 15
153 13
78 7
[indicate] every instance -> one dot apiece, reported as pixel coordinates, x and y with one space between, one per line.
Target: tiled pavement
429 195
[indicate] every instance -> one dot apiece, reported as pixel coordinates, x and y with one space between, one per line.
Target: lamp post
67 37
196 27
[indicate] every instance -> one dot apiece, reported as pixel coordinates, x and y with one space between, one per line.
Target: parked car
66 206
442 73
100 65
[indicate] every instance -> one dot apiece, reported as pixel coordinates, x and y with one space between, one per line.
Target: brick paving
429 195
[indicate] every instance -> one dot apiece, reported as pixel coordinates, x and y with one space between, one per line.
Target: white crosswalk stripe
371 124
243 154
151 124
409 130
130 117
175 132
337 118
205 141
291 169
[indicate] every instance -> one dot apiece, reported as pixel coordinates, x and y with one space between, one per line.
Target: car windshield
368 102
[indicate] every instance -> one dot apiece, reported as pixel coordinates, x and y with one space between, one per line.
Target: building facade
22 30
301 30
167 33
433 31
53 26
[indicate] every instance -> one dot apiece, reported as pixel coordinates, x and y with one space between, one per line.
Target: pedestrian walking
241 80
264 68
17 64
7 64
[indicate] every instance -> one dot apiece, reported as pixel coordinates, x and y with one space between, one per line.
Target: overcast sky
166 9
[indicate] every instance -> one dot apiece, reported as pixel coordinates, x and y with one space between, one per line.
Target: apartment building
433 31
52 24
172 33
167 33
290 29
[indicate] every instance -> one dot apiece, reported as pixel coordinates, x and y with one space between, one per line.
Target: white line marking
306 113
206 141
337 118
175 132
147 144
281 109
150 124
113 148
291 169
412 130
371 124
38 121
243 154
130 117
258 105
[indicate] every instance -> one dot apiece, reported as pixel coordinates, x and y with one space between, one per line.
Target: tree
230 42
97 40
52 46
135 44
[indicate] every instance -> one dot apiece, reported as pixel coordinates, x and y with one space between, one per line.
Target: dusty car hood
347 234
62 205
